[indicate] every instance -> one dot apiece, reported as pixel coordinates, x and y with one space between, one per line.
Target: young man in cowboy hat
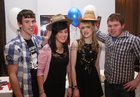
21 56
85 54
122 49
53 60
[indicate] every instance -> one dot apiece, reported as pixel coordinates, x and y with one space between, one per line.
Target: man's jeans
117 90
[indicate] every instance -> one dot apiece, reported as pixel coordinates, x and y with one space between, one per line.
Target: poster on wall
44 20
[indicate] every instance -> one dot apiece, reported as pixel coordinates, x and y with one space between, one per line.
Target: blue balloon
74 14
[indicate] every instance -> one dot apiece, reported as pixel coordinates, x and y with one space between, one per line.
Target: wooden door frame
3 69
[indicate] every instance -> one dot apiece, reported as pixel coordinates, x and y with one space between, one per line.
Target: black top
55 83
33 67
87 76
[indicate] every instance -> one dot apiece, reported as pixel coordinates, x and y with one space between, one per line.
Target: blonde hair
81 41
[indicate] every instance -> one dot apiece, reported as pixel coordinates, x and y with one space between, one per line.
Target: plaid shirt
17 52
120 56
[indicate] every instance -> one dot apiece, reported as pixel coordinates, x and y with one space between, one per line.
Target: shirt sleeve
102 36
12 54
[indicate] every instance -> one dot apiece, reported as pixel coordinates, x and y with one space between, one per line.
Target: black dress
54 85
87 76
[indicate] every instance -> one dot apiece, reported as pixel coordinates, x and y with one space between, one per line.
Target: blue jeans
117 90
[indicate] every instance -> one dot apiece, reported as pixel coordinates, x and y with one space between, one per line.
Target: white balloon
12 18
90 8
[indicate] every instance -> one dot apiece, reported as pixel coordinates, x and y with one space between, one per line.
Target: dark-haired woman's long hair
55 29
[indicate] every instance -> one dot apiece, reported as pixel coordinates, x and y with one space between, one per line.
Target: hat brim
88 19
49 26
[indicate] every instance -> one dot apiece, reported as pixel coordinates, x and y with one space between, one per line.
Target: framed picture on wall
44 20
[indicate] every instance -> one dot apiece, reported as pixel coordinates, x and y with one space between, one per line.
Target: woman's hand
76 92
42 95
132 85
69 92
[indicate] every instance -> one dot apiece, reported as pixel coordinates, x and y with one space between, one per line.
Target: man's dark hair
26 13
116 17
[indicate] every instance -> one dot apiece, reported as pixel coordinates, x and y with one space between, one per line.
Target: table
6 91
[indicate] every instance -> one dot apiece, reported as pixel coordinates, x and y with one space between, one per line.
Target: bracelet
70 87
75 87
40 93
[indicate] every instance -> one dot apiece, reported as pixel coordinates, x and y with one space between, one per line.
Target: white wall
52 7
21 4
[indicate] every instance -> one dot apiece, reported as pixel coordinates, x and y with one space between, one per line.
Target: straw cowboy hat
58 18
89 15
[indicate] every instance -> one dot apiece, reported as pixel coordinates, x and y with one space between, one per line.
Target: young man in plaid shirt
122 49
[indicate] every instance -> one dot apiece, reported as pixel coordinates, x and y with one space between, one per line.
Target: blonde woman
85 60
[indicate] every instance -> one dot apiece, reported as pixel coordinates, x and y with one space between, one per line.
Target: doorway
2 38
